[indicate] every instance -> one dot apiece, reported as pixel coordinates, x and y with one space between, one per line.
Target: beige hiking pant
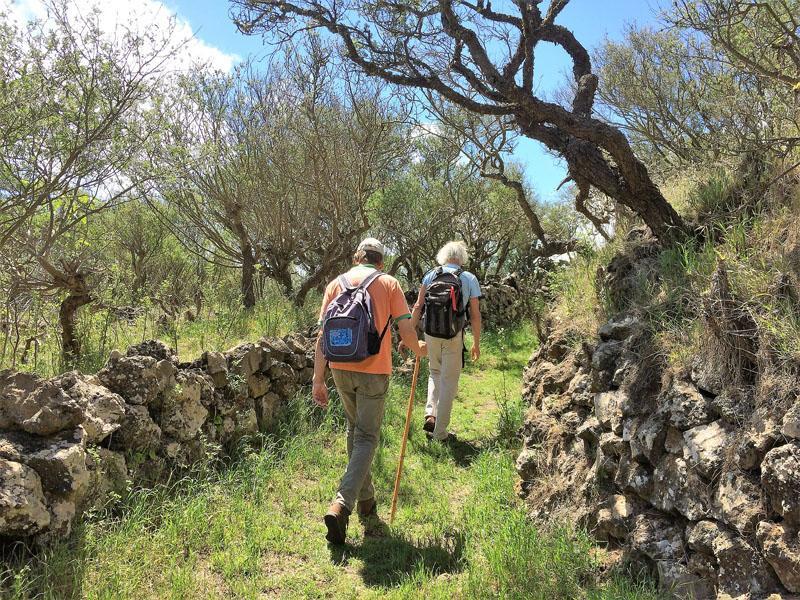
364 398
446 360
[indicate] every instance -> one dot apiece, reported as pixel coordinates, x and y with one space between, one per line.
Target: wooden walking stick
405 439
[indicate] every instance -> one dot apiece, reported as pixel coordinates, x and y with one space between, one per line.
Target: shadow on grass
63 566
391 559
463 452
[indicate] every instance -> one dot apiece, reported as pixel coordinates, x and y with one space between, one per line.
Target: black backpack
445 315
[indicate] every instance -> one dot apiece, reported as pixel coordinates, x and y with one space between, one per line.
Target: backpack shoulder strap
344 282
370 278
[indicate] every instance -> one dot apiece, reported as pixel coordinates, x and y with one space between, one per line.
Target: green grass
218 328
253 528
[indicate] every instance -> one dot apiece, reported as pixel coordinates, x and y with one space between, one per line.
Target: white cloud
115 16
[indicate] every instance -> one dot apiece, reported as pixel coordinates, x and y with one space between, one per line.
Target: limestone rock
676 487
62 515
705 447
673 441
612 444
528 463
738 501
704 566
103 409
266 410
297 361
246 422
216 363
285 388
138 432
278 348
701 535
780 477
22 503
603 470
742 571
182 414
706 375
36 406
791 421
138 379
608 410
298 343
555 378
734 404
540 426
257 385
781 547
627 363
108 473
60 463
217 368
633 477
305 376
620 327
647 438
589 431
680 582
655 537
759 437
579 391
59 460
280 371
245 359
605 356
154 349
685 406
613 517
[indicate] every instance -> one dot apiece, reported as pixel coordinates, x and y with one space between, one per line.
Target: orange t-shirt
388 301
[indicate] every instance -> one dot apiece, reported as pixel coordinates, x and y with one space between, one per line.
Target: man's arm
475 319
319 390
408 335
416 313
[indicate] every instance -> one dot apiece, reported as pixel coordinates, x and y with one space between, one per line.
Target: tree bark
70 346
248 276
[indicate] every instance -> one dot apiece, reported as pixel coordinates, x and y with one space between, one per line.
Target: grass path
254 529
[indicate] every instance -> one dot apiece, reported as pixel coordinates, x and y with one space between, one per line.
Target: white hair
453 252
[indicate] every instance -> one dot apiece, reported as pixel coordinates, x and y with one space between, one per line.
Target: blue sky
590 20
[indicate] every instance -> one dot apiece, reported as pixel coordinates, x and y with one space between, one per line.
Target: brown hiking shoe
430 423
336 521
367 508
368 515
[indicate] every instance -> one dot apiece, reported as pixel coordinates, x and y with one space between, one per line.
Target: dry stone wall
505 301
686 474
68 443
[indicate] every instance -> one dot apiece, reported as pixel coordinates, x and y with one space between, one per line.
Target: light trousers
446 361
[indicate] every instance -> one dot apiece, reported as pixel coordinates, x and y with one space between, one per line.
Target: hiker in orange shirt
356 312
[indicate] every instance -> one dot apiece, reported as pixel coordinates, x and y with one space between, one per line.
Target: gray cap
374 245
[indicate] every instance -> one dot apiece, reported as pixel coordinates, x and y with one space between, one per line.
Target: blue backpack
348 329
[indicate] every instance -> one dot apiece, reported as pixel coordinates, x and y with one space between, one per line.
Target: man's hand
319 392
402 348
476 353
